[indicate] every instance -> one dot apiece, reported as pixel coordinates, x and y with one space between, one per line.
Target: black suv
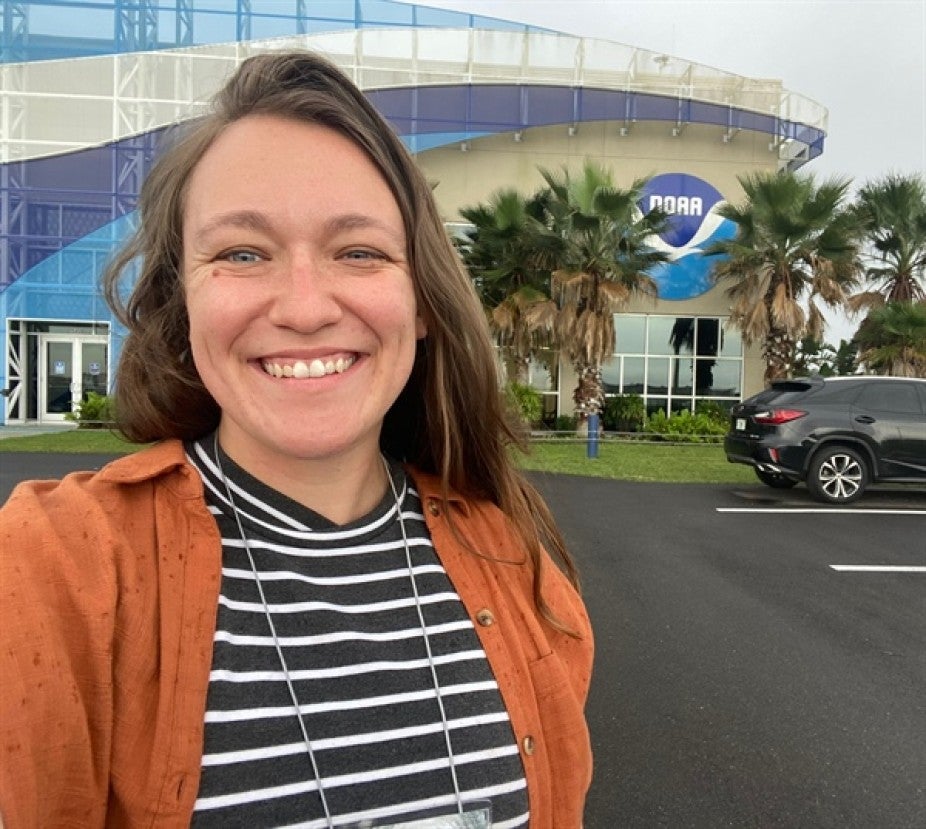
837 434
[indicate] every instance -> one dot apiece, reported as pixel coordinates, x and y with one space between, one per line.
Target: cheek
207 306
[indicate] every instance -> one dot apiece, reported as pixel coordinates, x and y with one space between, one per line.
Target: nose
305 298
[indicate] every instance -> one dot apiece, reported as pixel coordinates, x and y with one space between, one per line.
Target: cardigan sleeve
57 614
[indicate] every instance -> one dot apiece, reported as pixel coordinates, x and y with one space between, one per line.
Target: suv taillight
774 417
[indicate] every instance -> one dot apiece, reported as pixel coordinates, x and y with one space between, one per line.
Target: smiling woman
325 597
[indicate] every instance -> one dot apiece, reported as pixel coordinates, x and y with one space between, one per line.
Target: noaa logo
693 224
677 205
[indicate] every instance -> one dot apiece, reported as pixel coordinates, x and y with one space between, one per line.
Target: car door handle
865 419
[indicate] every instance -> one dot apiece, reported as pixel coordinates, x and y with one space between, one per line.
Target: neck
342 489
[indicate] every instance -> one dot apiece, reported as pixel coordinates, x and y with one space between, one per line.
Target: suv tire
837 475
775 480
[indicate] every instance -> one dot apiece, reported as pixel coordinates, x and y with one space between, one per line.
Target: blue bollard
592 447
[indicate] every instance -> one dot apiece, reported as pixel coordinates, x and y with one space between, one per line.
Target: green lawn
636 461
73 441
631 461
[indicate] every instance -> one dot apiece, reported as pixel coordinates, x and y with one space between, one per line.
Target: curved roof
58 106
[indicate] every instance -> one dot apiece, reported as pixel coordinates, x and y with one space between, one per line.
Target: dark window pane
655 404
683 335
707 340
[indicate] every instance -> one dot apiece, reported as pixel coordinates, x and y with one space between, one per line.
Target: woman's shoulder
151 463
87 503
84 523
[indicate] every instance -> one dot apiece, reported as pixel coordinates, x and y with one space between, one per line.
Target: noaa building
88 90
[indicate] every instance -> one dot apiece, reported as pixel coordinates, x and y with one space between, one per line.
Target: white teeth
315 368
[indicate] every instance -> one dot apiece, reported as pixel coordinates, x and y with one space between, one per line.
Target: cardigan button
433 507
528 745
485 617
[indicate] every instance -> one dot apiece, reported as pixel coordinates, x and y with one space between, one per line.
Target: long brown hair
449 420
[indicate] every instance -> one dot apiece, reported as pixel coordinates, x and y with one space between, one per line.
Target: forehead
271 157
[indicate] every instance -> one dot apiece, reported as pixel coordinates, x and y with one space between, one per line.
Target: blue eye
241 256
362 255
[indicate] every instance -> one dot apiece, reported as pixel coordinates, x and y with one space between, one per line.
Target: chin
324 448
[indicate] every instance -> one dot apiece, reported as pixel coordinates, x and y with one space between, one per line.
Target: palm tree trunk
589 393
778 351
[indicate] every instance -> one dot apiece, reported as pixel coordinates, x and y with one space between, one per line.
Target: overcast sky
864 60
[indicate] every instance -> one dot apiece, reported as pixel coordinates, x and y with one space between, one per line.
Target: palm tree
498 253
892 212
893 339
595 245
796 242
813 357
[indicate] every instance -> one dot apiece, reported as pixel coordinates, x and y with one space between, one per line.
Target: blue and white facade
88 90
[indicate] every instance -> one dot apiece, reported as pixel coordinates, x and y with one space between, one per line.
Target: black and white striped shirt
342 601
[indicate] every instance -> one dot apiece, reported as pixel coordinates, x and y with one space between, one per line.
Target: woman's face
302 311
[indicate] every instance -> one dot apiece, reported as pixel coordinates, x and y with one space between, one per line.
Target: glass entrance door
70 367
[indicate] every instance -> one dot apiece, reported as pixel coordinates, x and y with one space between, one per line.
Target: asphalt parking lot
741 680
752 669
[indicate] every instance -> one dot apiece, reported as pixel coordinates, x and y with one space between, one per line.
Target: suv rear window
785 391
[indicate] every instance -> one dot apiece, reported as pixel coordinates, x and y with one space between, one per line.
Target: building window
543 375
674 363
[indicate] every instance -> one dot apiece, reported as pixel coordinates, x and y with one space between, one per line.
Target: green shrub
624 413
685 427
96 411
717 412
565 423
526 401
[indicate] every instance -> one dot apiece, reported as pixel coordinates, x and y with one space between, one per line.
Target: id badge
476 814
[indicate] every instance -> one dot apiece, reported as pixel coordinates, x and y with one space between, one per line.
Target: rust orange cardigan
109 584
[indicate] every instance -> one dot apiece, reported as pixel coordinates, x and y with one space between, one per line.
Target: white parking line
826 510
878 568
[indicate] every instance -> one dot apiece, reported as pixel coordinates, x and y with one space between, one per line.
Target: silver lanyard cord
276 640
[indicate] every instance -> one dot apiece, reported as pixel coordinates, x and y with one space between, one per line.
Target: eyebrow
248 219
254 220
350 221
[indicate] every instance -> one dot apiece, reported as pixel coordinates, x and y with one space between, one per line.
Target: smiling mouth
313 368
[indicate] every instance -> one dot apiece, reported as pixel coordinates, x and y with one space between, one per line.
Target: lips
300 369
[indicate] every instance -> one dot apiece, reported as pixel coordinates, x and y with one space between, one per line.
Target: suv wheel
838 475
774 479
